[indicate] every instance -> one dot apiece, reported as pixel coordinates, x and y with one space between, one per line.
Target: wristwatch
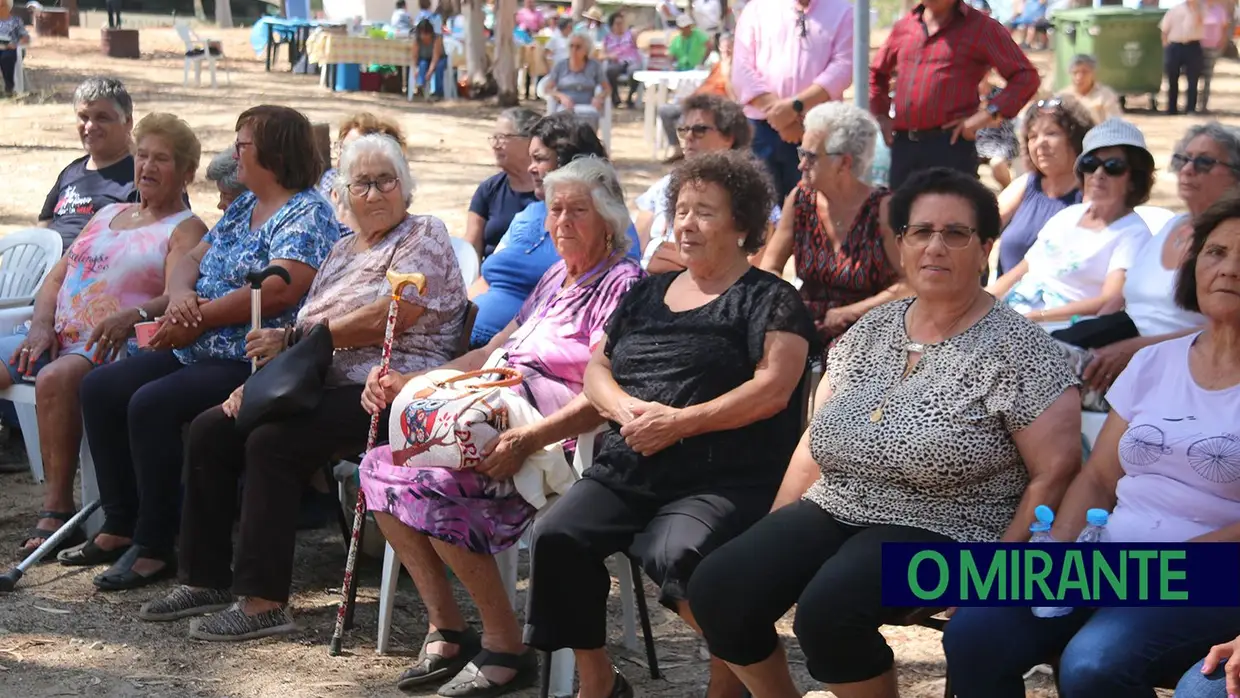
798 106
146 317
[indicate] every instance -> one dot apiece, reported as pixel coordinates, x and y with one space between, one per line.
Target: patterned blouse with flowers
303 230
350 279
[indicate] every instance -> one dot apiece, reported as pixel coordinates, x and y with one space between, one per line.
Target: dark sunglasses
802 27
698 130
1113 167
1201 164
810 157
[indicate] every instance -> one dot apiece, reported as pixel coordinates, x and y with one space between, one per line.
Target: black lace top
688 358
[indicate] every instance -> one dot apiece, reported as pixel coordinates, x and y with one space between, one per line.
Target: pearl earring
740 242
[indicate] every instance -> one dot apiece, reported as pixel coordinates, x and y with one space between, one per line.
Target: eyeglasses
1052 104
241 145
698 130
1201 164
954 236
500 139
810 157
1113 167
362 188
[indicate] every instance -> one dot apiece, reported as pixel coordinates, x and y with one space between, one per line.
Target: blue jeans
1195 684
780 158
1112 652
441 68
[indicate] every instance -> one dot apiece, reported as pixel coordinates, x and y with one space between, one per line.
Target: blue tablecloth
285 28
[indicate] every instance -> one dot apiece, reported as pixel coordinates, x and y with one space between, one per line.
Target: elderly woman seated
528 249
463 518
1207 165
877 465
709 124
1053 134
1082 254
696 377
835 223
506 193
222 171
579 84
135 410
1100 100
351 295
111 279
1161 464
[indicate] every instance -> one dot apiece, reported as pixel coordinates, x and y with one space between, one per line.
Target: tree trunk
580 6
199 13
475 44
223 14
506 53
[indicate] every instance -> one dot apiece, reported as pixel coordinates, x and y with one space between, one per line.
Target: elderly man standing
939 53
790 56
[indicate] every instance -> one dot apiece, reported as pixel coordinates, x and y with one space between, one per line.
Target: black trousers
114 13
614 71
8 66
134 412
1187 60
801 555
569 582
276 459
914 152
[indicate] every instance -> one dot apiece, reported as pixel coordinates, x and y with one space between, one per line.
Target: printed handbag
448 423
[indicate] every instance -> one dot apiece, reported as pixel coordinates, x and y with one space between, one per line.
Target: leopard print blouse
942 457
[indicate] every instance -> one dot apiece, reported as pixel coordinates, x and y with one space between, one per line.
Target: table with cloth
269 31
330 49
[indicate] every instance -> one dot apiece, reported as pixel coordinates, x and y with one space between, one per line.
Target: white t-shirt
558 46
1181 452
1149 288
654 200
1068 263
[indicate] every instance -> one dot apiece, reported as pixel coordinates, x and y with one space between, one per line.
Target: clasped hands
785 120
648 427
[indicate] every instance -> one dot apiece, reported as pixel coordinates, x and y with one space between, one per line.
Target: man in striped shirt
938 54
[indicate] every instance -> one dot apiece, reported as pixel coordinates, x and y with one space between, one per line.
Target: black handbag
1098 332
290 384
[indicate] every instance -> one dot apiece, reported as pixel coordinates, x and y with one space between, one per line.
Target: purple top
622 46
558 329
1036 208
1180 453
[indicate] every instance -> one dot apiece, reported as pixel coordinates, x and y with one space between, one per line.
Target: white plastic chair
197 50
467 258
604 122
26 258
1091 426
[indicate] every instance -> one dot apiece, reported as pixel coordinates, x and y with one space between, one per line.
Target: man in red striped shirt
939 53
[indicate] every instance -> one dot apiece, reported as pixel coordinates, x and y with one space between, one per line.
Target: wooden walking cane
348 590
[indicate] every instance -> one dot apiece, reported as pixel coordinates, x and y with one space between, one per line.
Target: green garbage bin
1126 43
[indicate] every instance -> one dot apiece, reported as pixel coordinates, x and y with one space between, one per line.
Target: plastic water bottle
1095 527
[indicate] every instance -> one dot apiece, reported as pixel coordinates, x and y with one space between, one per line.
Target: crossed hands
649 427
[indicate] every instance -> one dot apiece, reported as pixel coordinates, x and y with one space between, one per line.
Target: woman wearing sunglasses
579 83
1207 165
1078 264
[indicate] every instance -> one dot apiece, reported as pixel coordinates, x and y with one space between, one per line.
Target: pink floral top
558 329
110 270
623 47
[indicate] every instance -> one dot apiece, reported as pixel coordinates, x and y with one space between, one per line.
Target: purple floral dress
558 330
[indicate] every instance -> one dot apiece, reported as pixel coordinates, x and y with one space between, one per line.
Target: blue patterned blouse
303 230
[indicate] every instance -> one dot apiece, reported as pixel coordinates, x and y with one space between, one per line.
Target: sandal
89 554
434 667
121 576
36 533
472 683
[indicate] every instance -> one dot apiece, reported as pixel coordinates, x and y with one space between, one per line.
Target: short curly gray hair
1226 136
111 89
600 178
223 171
373 145
850 130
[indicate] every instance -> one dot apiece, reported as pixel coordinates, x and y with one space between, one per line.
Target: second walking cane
398 282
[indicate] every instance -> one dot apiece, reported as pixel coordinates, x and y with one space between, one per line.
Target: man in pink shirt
530 18
790 56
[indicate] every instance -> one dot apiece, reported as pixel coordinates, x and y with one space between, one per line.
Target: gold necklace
911 347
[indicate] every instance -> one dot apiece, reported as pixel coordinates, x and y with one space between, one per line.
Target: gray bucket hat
1110 133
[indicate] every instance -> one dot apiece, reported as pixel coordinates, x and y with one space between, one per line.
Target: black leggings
569 581
832 572
8 67
277 459
135 410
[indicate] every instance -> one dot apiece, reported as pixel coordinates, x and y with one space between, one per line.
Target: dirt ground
60 637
